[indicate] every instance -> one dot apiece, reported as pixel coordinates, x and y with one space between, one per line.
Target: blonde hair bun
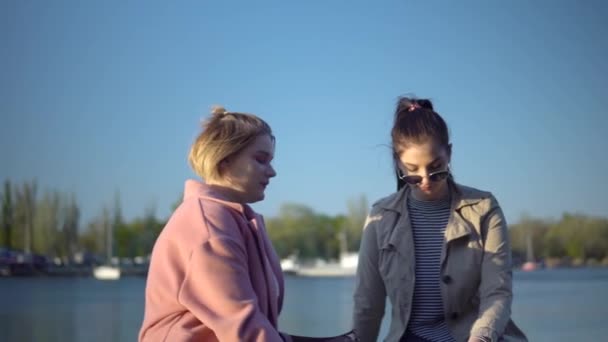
218 111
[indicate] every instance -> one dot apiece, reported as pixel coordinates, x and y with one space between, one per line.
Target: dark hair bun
406 103
424 103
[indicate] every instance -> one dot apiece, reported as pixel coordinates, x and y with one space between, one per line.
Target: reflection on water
555 305
70 309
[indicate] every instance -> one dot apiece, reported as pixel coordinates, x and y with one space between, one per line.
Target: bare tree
71 216
25 209
7 215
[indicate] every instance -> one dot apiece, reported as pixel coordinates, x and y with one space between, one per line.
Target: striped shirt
429 220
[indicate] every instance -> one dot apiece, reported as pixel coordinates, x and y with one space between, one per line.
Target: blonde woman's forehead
262 144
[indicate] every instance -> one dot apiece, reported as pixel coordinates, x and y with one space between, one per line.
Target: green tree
358 208
299 230
92 239
528 238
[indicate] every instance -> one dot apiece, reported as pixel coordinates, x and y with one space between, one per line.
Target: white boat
111 270
106 272
530 266
346 267
289 265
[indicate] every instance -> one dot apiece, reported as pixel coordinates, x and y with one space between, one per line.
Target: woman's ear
449 153
223 165
397 163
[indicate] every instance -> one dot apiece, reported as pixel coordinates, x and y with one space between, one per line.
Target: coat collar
197 189
457 227
461 196
270 262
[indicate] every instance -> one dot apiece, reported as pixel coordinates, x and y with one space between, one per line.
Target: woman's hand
348 337
476 339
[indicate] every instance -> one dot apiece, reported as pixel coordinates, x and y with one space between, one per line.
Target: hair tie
413 106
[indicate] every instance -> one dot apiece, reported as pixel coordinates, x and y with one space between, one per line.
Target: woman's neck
226 193
442 194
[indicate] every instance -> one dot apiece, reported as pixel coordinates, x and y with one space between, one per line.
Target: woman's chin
428 194
256 198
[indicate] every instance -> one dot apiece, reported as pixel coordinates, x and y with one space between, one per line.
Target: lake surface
549 305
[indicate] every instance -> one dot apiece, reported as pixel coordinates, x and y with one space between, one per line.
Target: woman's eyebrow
264 153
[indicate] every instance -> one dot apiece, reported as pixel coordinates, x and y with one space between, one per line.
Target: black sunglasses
433 177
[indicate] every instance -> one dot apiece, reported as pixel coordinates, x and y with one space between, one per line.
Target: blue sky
97 97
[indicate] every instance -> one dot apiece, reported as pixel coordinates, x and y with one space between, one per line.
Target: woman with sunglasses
439 250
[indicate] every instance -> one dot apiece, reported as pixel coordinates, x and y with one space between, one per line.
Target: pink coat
214 275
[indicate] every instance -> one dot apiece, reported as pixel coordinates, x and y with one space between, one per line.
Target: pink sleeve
217 290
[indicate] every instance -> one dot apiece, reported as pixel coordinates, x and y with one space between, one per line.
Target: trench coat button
447 279
454 316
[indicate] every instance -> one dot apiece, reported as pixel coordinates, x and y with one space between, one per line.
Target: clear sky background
106 96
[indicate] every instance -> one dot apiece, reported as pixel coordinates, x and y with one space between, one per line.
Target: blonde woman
214 275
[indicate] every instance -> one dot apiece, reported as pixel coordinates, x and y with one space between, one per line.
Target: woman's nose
271 172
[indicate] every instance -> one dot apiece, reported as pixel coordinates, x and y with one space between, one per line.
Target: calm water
555 305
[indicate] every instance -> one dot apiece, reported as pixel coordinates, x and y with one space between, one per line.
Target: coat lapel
271 278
